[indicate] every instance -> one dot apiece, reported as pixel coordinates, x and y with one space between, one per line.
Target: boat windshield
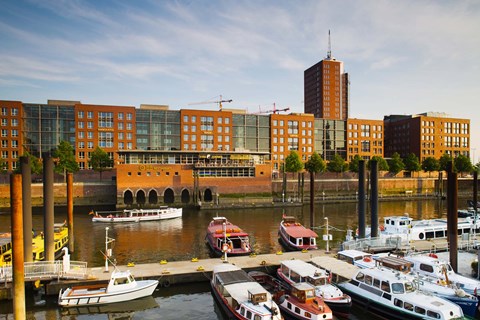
400 288
309 294
409 287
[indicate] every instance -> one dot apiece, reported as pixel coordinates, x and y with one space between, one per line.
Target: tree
36 167
337 164
353 165
100 161
412 163
3 166
444 160
66 159
293 162
463 164
395 164
382 163
430 164
313 165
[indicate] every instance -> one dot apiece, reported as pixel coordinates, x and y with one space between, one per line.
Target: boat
223 236
407 229
299 303
294 236
136 215
298 271
126 310
430 265
357 258
60 238
391 294
122 287
5 248
240 296
443 289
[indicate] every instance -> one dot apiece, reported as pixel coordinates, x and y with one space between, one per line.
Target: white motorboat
442 271
240 296
121 287
391 294
298 271
136 215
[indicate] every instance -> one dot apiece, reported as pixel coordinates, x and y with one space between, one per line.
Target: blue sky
403 57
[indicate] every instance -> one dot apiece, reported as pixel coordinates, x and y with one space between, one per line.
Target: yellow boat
60 237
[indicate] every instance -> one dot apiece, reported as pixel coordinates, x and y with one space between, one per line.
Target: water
183 239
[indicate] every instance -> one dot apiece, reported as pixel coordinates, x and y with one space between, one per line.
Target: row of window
109 115
5 154
13 143
14 122
13 111
105 124
13 133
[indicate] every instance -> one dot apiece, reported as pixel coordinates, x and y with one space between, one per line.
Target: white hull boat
122 287
136 215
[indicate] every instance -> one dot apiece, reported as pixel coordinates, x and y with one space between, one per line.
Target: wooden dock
179 272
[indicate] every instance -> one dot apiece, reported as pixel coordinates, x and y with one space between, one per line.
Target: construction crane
274 110
219 102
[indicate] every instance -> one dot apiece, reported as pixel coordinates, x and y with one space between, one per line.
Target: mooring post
19 307
452 214
27 208
71 239
48 208
374 198
361 199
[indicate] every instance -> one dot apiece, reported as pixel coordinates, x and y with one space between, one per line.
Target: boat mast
108 251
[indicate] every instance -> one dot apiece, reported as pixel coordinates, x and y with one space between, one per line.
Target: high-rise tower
326 87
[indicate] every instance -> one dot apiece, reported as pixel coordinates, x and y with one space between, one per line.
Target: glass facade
158 129
45 126
251 132
330 138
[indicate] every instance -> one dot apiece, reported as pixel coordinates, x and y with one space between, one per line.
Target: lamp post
327 235
106 249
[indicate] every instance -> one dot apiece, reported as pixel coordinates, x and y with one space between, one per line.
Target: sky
403 57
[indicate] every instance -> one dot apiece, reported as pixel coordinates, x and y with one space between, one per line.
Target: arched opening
128 198
152 197
207 196
141 197
185 196
168 196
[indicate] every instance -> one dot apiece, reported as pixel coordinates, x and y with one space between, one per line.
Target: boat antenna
108 259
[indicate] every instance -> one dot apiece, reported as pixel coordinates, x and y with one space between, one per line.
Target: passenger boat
5 248
60 238
392 295
121 287
240 296
408 229
299 303
298 271
136 215
357 258
223 236
294 236
442 271
449 291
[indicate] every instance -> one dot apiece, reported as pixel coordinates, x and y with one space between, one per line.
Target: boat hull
226 310
144 288
287 245
139 215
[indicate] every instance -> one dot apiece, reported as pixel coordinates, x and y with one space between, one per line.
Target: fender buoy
367 259
166 284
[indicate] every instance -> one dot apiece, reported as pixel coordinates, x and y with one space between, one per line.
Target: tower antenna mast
329 52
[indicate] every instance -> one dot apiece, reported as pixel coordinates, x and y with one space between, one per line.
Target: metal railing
47 270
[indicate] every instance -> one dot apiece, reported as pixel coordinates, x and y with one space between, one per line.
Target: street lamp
327 237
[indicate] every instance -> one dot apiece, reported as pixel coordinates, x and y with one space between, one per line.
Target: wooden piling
19 307
361 199
27 207
48 208
71 240
452 214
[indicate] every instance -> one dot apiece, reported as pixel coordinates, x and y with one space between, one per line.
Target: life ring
433 255
382 227
166 284
226 247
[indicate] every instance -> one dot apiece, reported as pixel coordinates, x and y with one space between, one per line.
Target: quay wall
253 192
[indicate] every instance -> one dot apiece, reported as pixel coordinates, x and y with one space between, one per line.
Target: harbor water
184 239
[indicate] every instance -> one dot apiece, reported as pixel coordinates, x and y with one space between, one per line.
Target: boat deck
88 290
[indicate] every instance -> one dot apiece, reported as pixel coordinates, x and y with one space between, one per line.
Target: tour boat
298 271
136 215
408 229
299 303
357 258
5 248
223 236
121 287
240 296
294 236
391 294
428 284
60 240
442 271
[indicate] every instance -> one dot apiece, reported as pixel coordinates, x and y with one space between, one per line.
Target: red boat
294 236
223 236
299 303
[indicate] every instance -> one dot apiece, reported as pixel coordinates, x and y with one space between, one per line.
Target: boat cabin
396 224
121 280
394 263
303 292
299 271
257 296
387 284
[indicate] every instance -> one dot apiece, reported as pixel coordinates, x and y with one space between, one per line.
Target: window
14 112
90 125
90 135
81 134
81 114
129 126
90 114
129 116
185 118
14 154
120 136
120 116
14 133
81 155
81 145
14 122
129 136
120 126
4 122
4 133
105 119
81 125
4 154
14 143
4 112
90 145
121 145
